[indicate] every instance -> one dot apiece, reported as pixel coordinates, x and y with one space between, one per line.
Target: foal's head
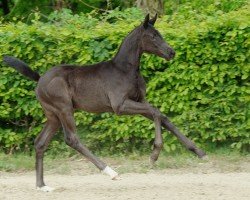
152 41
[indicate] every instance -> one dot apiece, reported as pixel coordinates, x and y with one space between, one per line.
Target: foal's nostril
171 53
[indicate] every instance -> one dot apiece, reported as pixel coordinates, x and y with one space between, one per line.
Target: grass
222 160
16 162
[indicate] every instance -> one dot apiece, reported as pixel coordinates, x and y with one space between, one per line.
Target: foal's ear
146 20
152 21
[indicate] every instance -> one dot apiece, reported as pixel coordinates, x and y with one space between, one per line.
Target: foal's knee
71 141
158 145
156 113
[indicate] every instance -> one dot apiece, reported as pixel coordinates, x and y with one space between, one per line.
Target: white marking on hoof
45 188
111 173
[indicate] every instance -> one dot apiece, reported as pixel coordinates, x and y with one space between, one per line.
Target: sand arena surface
158 185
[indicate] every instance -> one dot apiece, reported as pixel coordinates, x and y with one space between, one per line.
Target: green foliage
202 8
204 90
23 9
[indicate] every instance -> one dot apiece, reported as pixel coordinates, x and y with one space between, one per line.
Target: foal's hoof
113 174
45 188
152 162
116 178
205 157
201 154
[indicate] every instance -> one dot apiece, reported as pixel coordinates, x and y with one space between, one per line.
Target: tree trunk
60 4
5 7
151 6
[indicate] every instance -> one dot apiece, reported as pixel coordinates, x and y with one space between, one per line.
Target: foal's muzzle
167 52
171 54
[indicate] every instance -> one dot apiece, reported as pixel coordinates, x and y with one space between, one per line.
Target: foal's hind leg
71 139
41 144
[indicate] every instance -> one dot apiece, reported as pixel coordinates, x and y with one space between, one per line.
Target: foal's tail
21 67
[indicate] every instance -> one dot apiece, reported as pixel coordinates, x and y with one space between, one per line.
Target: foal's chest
134 90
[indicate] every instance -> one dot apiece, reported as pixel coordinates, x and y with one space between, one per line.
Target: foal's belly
91 102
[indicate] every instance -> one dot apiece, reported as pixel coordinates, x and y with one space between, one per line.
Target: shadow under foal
112 86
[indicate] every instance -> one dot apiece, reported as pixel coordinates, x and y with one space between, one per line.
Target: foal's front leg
145 109
133 107
165 122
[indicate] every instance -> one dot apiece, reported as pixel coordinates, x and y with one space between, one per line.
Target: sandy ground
153 185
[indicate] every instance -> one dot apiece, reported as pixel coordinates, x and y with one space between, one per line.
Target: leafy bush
204 90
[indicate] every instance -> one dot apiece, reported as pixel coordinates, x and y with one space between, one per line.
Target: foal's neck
129 53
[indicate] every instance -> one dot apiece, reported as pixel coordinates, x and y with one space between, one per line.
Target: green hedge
204 90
